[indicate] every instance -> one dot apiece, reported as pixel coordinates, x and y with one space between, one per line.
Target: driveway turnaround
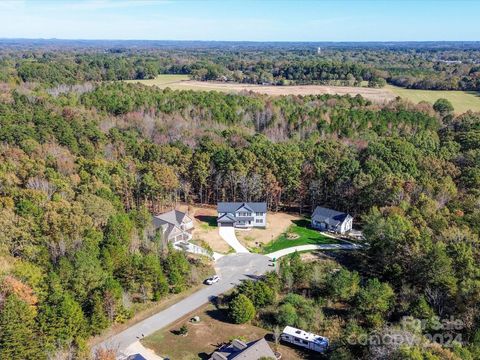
283 252
231 269
228 234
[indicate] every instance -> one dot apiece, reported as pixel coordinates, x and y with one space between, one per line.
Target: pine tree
98 320
18 340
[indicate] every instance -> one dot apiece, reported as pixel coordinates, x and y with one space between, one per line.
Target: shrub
241 309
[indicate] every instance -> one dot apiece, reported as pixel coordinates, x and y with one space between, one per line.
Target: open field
305 236
462 101
277 224
181 82
204 337
162 80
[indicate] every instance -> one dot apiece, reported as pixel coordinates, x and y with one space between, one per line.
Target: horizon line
244 41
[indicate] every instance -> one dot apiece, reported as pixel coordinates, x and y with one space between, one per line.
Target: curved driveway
283 252
228 234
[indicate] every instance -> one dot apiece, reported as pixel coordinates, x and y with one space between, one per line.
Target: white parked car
212 280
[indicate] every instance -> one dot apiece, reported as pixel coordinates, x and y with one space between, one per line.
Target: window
242 213
259 214
259 221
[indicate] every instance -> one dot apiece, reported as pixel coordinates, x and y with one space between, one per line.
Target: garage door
226 224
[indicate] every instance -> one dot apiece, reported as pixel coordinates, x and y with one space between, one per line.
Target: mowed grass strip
306 236
462 101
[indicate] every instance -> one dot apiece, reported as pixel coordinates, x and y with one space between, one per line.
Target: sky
248 20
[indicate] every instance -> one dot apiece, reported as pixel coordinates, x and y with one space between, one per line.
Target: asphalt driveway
232 269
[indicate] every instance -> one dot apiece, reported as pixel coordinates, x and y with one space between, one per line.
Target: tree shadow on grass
219 315
304 223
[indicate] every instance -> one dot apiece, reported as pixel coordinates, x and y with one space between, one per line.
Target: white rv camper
304 339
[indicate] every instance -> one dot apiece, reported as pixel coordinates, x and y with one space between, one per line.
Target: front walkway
228 234
283 252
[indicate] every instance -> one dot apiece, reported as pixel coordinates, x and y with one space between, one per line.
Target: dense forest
83 167
436 66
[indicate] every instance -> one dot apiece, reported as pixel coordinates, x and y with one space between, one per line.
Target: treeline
427 68
283 72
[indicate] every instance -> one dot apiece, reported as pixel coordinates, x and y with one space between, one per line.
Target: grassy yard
462 101
206 336
306 236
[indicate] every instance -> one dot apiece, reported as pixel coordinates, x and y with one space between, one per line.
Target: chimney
239 345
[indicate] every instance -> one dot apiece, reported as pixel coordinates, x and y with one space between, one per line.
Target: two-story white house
242 214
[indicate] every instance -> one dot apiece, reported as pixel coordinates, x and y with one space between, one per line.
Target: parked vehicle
304 339
212 280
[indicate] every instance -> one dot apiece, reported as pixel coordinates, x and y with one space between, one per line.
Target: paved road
232 269
283 252
228 234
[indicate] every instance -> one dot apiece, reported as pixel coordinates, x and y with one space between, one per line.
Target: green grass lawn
462 101
307 236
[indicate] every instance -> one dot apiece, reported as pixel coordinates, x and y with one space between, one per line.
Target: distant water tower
319 50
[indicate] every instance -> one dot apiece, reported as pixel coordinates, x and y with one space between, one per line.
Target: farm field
462 101
305 236
204 337
181 82
162 80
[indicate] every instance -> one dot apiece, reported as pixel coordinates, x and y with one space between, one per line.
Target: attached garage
225 224
225 221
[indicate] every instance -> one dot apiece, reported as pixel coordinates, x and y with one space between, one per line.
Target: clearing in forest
181 82
462 101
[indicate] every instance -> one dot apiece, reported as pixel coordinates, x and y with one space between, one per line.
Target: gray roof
231 207
226 218
254 351
170 222
329 216
173 217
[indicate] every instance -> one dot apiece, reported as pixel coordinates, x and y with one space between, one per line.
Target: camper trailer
304 339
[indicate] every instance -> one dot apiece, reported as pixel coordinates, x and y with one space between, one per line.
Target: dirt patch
206 336
205 220
277 224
